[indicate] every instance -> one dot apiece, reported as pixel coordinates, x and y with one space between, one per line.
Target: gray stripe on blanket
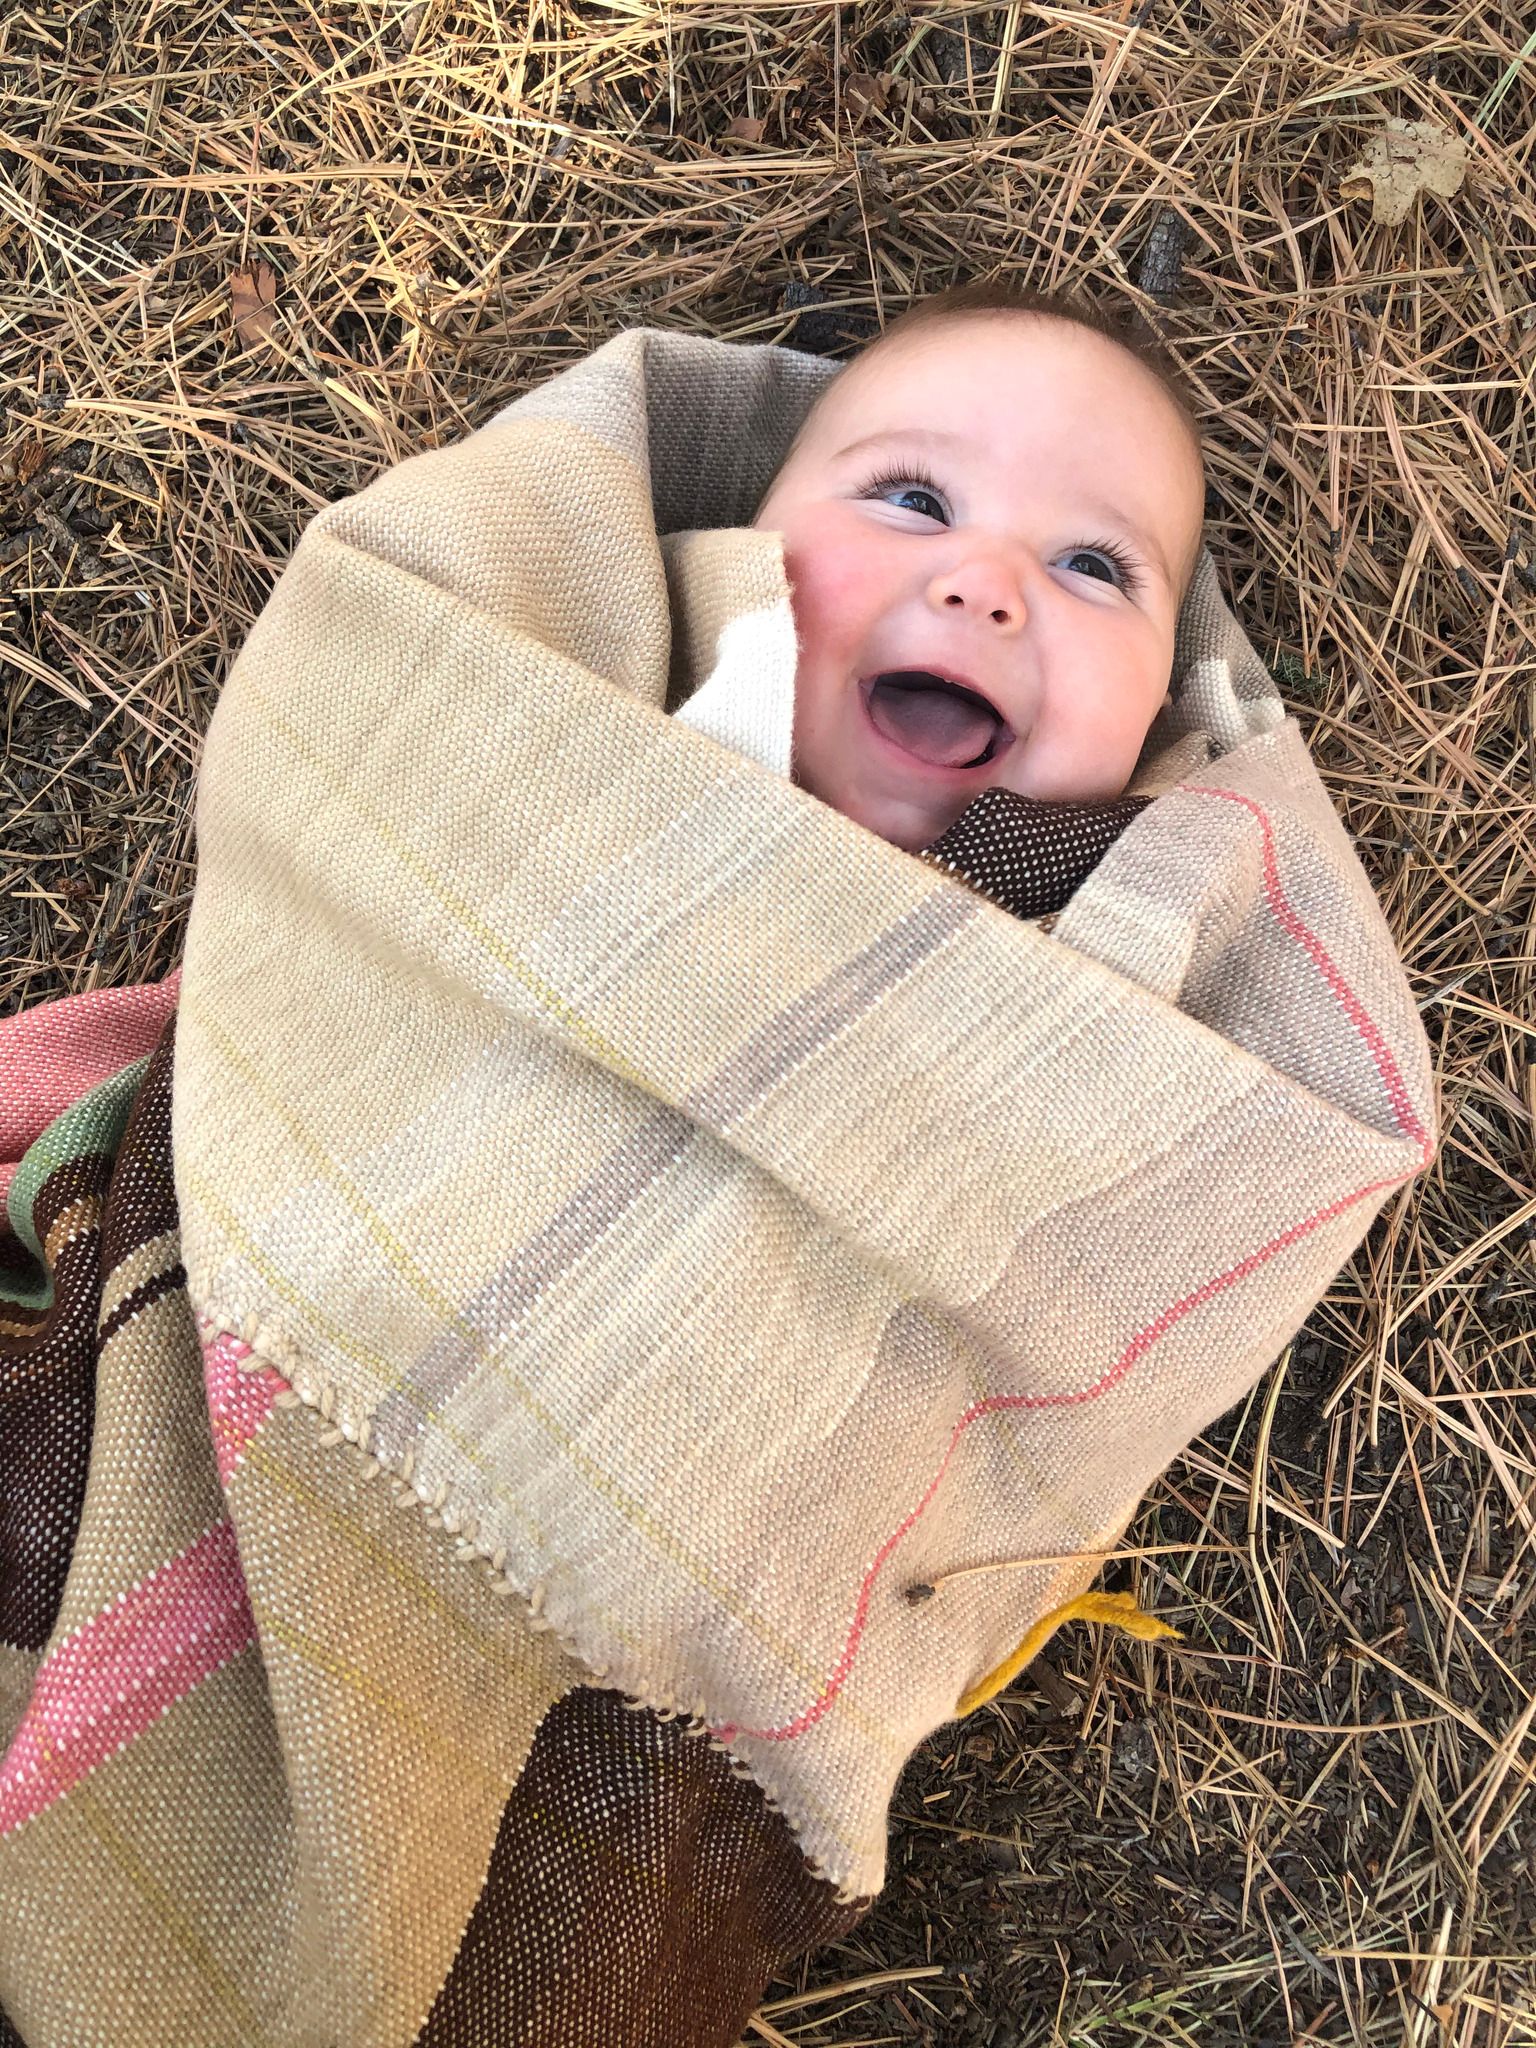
810 1023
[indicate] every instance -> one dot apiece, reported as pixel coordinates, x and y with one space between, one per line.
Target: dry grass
1315 1821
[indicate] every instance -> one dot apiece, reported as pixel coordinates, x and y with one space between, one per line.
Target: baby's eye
907 484
1084 562
917 491
1106 564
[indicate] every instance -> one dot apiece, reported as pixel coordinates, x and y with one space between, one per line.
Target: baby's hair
1127 331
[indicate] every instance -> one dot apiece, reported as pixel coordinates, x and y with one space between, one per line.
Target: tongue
929 719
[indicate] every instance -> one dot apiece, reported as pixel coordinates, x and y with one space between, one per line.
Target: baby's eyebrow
1149 544
937 437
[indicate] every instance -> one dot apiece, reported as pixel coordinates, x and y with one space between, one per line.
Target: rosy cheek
1091 729
829 584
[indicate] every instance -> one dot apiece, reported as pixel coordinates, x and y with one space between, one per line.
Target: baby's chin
910 823
915 823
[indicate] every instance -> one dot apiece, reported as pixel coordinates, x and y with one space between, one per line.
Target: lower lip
911 761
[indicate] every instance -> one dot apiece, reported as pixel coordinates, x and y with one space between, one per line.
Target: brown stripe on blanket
101 1210
67 1205
142 1204
141 1207
141 1298
47 1399
640 1895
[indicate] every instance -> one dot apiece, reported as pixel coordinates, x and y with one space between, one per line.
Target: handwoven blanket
637 1227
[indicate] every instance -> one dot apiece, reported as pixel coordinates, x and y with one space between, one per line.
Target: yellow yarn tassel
1118 1609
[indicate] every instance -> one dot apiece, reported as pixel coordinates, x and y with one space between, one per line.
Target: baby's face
1003 502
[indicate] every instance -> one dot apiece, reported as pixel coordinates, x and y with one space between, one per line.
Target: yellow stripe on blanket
1118 1609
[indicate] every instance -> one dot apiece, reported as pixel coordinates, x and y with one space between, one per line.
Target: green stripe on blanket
93 1125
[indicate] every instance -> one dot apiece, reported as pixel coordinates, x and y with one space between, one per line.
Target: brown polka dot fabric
1027 855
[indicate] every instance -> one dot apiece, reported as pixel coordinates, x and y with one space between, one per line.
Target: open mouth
935 721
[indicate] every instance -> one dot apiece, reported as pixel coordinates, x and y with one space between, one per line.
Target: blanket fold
717 1210
276 1769
599 1228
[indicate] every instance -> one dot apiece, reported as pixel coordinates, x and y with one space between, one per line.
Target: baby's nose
984 590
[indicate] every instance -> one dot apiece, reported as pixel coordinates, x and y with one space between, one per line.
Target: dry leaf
253 302
868 91
29 459
745 129
1406 158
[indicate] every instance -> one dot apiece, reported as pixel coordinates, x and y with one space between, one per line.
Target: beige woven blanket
720 1219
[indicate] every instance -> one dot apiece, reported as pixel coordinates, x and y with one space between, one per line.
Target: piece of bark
1161 270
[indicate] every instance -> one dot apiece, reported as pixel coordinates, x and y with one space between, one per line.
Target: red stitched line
1144 1339
1354 1009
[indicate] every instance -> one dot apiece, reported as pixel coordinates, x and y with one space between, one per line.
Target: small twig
924 1589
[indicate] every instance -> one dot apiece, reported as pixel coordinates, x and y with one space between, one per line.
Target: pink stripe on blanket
239 1400
115 1676
53 1053
1291 922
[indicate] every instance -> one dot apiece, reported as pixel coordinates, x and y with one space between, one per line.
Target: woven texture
600 1226
50 1056
662 1890
1028 855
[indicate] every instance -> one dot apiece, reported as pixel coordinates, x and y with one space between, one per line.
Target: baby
990 520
